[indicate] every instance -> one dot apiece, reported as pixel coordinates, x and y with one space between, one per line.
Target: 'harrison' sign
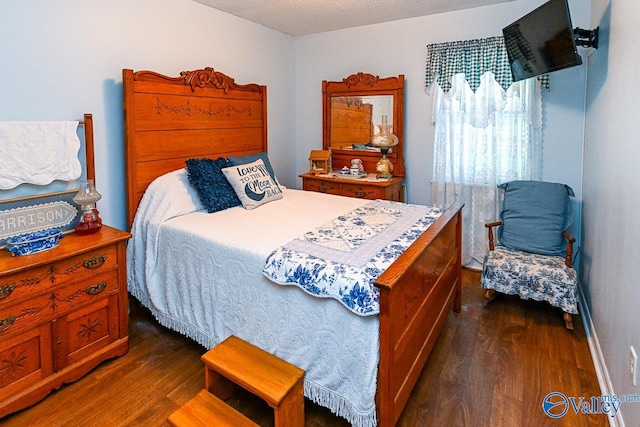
36 217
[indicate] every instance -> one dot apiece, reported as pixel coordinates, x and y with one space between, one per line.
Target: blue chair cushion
531 276
534 215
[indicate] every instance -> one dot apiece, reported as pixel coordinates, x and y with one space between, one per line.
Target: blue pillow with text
253 184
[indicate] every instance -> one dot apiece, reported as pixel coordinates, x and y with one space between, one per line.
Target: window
482 139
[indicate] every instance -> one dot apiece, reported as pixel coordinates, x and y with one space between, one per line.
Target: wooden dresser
62 312
387 190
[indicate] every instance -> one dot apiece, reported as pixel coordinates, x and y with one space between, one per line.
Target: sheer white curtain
483 139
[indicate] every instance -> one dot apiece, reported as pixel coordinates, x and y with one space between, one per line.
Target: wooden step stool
207 410
235 361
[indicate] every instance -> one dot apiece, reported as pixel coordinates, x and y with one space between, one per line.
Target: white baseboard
606 388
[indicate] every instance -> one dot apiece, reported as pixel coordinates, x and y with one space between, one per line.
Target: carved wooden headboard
201 113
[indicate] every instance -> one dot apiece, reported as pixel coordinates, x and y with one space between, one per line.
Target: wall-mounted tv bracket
586 38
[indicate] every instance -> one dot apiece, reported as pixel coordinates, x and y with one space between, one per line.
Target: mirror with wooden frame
353 109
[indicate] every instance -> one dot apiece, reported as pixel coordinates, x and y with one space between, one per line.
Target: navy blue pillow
213 189
534 215
250 158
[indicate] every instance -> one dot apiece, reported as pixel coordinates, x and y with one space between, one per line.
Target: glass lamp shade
87 198
384 140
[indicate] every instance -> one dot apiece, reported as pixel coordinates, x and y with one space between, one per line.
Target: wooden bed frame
204 113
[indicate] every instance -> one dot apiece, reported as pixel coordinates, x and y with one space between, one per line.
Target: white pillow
253 184
168 196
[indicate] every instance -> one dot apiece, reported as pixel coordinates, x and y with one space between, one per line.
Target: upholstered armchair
532 257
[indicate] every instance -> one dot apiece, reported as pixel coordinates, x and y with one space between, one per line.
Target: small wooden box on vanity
62 312
388 190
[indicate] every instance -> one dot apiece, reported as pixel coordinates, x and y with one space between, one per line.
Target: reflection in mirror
355 119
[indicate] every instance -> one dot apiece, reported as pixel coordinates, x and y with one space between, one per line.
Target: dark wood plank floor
492 366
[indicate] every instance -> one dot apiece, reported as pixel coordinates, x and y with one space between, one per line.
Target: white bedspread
207 283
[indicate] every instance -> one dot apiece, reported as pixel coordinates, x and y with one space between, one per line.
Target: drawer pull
96 289
5 290
95 261
322 188
360 193
6 323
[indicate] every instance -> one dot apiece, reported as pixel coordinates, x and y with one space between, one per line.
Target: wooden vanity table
352 110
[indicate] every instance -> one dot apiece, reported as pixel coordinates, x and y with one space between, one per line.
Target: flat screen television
541 41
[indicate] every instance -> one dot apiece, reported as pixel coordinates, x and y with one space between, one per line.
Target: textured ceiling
300 17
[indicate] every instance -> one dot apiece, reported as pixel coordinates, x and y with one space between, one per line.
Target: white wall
611 228
399 47
60 59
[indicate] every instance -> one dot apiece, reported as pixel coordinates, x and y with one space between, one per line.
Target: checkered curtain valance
473 58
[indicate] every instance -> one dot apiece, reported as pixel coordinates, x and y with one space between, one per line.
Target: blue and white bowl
31 243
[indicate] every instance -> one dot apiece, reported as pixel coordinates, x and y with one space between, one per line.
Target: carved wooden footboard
416 293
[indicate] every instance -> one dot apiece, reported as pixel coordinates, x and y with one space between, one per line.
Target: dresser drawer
363 192
49 305
321 186
14 287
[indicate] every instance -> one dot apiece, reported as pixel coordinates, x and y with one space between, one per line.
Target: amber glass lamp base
384 166
89 223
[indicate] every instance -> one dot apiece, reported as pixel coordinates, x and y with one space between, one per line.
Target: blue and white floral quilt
342 258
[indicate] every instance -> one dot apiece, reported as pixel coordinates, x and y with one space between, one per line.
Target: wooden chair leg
568 320
490 295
